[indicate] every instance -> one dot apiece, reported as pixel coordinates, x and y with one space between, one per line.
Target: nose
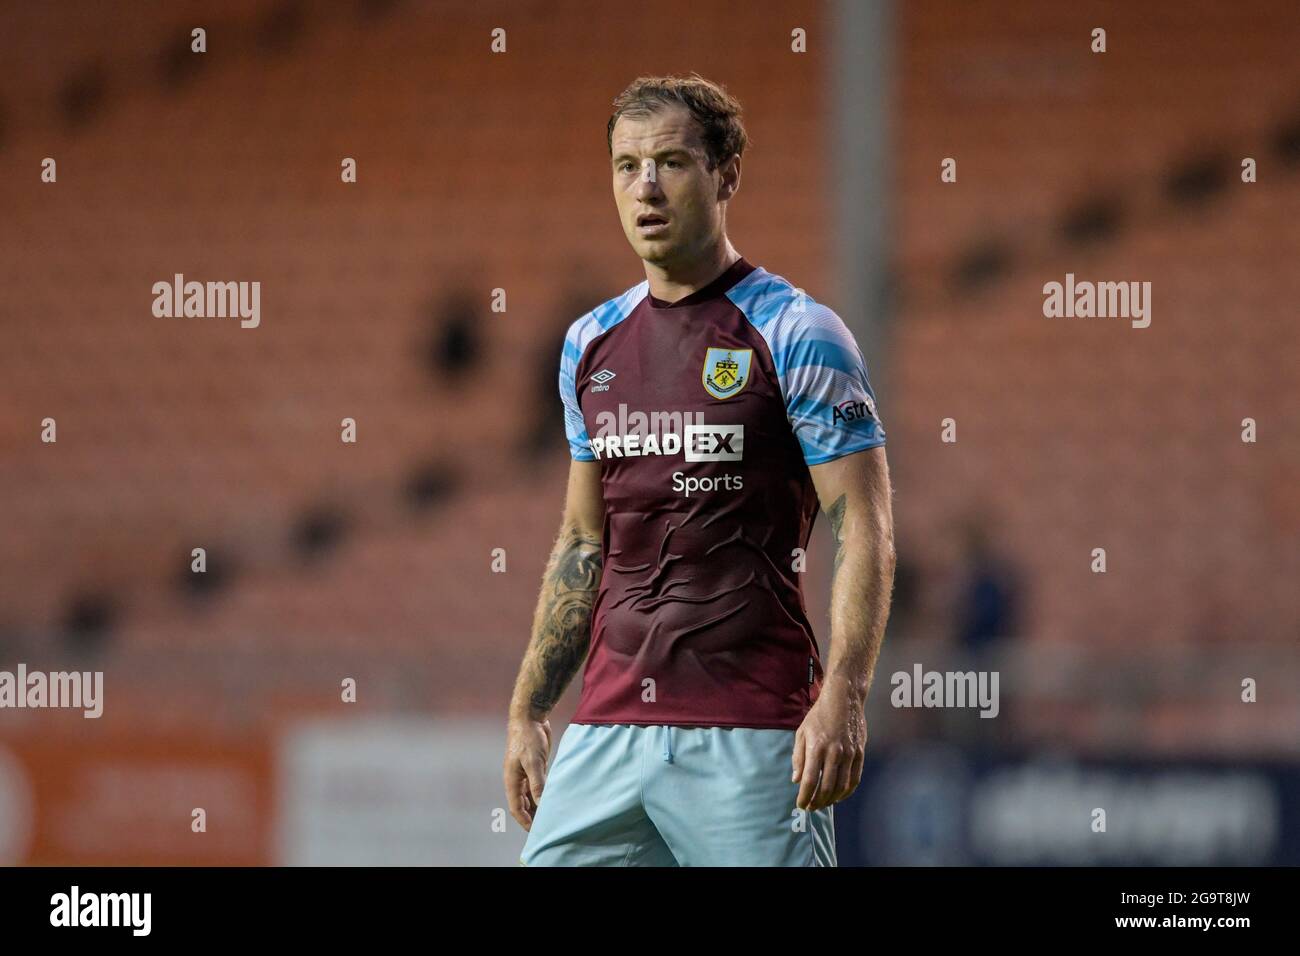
647 183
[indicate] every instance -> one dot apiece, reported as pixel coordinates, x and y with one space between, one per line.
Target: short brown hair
715 110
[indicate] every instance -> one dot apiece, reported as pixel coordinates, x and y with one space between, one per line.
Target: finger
855 773
535 770
528 806
796 756
842 778
809 776
515 791
831 764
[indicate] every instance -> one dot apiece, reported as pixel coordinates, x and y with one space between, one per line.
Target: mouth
649 224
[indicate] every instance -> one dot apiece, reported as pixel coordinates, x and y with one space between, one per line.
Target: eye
625 166
672 162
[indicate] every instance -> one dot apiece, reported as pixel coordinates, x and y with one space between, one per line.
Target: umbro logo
601 379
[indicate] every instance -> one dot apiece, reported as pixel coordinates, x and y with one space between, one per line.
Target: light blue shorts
623 795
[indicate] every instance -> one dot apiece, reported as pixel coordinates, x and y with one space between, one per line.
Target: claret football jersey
705 415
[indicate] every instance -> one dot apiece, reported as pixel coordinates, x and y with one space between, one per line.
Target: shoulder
601 319
765 297
796 326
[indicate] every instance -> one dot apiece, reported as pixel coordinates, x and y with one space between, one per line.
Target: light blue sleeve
823 376
575 427
581 334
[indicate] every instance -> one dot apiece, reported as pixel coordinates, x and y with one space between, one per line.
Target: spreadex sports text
700 443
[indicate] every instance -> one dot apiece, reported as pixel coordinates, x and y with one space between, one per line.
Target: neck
674 282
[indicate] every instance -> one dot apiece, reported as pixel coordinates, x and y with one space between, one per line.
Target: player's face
669 202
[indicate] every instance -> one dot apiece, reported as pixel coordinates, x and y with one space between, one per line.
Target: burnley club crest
726 371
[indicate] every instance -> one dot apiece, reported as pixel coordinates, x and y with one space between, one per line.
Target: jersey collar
733 274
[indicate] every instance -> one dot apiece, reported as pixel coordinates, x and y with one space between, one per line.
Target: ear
729 183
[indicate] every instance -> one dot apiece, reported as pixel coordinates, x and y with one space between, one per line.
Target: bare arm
561 635
829 747
856 496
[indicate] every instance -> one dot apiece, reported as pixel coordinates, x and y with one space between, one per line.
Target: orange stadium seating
478 173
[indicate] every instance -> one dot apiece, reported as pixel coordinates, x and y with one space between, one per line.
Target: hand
528 747
829 747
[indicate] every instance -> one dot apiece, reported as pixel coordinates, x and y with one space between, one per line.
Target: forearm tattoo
563 631
835 514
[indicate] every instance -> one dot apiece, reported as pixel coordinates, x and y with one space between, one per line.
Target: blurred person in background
988 596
